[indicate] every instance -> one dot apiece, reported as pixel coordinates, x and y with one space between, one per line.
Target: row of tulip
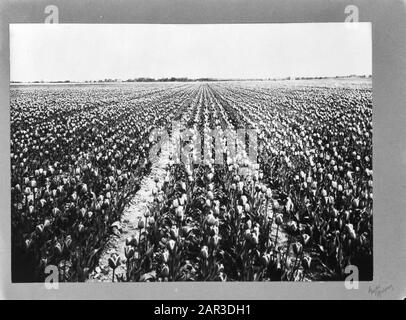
315 149
212 222
77 156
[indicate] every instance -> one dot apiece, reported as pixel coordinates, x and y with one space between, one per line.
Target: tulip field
88 198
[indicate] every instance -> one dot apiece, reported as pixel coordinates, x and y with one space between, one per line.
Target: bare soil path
129 220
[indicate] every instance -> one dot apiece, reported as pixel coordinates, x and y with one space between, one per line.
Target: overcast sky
79 52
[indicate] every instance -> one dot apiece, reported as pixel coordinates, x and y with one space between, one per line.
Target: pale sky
78 52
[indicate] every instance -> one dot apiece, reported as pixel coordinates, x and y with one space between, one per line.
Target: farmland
87 197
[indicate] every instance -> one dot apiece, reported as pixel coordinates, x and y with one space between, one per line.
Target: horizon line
186 79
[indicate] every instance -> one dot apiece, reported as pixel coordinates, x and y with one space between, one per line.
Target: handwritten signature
379 291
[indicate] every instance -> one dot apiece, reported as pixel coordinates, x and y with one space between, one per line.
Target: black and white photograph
191 152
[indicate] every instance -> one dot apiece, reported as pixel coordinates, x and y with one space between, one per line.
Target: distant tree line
171 79
319 78
185 79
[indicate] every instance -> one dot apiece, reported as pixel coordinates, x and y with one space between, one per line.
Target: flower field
88 197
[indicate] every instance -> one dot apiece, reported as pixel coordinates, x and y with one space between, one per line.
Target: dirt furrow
129 220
